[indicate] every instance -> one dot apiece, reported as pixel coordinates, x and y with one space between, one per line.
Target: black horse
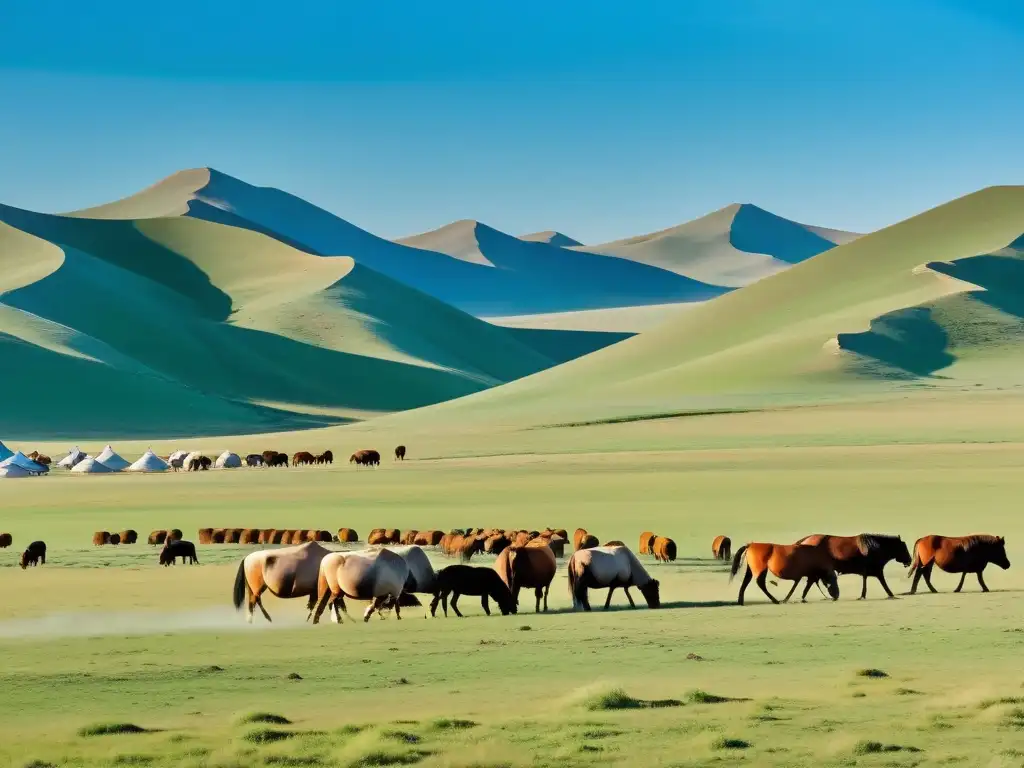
458 580
172 550
33 555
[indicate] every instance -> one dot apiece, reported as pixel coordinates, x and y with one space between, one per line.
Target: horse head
832 584
899 552
999 553
652 593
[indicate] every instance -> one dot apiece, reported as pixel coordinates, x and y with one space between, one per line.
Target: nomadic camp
75 455
12 471
5 452
149 462
228 460
90 466
19 459
110 458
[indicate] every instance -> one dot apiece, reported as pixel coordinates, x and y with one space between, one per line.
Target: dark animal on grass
588 542
44 460
664 549
172 550
6 540
254 460
366 457
957 554
721 548
115 539
302 458
557 544
530 567
219 536
347 535
156 538
275 459
100 538
400 453
289 572
322 536
646 541
485 583
175 534
279 536
496 544
327 457
200 463
129 536
790 562
610 568
34 555
864 555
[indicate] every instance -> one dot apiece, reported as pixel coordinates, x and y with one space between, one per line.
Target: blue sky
600 119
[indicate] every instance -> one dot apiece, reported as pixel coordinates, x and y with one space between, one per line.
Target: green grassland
105 636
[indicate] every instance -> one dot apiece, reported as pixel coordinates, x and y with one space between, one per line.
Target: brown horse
115 539
458 580
532 566
588 542
646 542
721 548
275 459
366 457
611 568
129 536
790 562
864 555
172 550
400 453
100 538
578 536
156 538
249 536
288 572
303 457
33 555
378 537
557 544
347 535
429 538
327 457
44 460
496 544
664 549
409 536
957 554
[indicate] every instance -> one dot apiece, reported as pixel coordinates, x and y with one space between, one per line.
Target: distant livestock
646 542
957 554
302 458
6 540
205 535
100 538
366 457
664 549
275 459
44 460
115 539
614 543
347 535
721 548
200 463
400 453
157 538
249 536
254 460
588 542
429 538
129 536
172 550
409 537
327 457
790 562
864 555
578 536
611 568
485 583
34 555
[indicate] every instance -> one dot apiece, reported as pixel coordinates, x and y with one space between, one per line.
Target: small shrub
39 764
448 724
350 730
723 742
615 699
134 759
403 736
871 672
876 747
373 759
294 676
110 729
907 692
268 718
267 736
525 628
703 697
1004 700
858 694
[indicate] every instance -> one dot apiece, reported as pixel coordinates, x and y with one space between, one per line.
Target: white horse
611 568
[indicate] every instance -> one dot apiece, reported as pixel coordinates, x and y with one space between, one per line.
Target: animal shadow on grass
641 605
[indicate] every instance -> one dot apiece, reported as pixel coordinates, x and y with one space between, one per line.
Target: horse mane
978 540
875 542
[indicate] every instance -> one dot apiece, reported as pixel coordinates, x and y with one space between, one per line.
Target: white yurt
111 459
12 471
149 462
90 466
24 462
5 452
74 456
228 460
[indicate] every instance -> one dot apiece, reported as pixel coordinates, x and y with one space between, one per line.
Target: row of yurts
14 464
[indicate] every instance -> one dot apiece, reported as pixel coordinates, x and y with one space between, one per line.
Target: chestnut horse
957 554
646 542
532 566
864 555
790 562
721 548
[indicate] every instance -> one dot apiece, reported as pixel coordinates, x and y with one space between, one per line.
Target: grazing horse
422 578
378 577
275 459
254 460
864 555
721 548
664 550
578 536
366 457
172 550
790 562
327 457
458 580
400 453
429 538
100 538
6 540
200 463
115 539
646 542
347 535
496 544
302 458
611 567
532 566
44 460
288 572
129 536
957 554
156 538
33 555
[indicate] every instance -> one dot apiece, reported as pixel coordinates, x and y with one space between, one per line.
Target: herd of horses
365 457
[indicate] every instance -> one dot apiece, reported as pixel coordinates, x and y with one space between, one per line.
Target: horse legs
881 580
546 590
795 585
807 588
608 602
762 580
917 578
515 595
864 589
398 606
539 592
259 602
485 605
321 604
629 597
580 596
455 604
960 586
373 606
928 575
433 605
743 587
981 581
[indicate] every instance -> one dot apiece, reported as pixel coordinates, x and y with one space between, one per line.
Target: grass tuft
611 700
292 760
877 747
987 703
267 718
872 672
372 759
110 729
294 676
267 736
906 692
698 696
38 764
450 724
134 759
403 736
723 742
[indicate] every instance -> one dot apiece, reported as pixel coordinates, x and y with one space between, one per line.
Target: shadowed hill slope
550 237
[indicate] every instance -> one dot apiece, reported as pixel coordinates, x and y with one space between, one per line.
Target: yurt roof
229 459
149 462
13 470
21 460
5 452
109 457
90 466
74 456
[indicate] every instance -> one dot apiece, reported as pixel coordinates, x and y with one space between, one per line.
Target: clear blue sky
601 119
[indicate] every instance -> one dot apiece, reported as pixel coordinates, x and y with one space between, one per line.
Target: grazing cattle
129 536
400 453
219 536
34 555
254 460
664 549
429 538
377 537
347 535
611 568
44 460
289 572
578 537
100 538
409 537
532 566
366 457
379 578
249 536
303 457
327 457
646 542
115 539
957 554
496 544
614 543
205 535
172 550
485 583
721 548
790 562
864 555
6 540
157 538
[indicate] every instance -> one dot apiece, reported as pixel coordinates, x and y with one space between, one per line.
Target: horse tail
572 581
736 560
242 590
915 563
